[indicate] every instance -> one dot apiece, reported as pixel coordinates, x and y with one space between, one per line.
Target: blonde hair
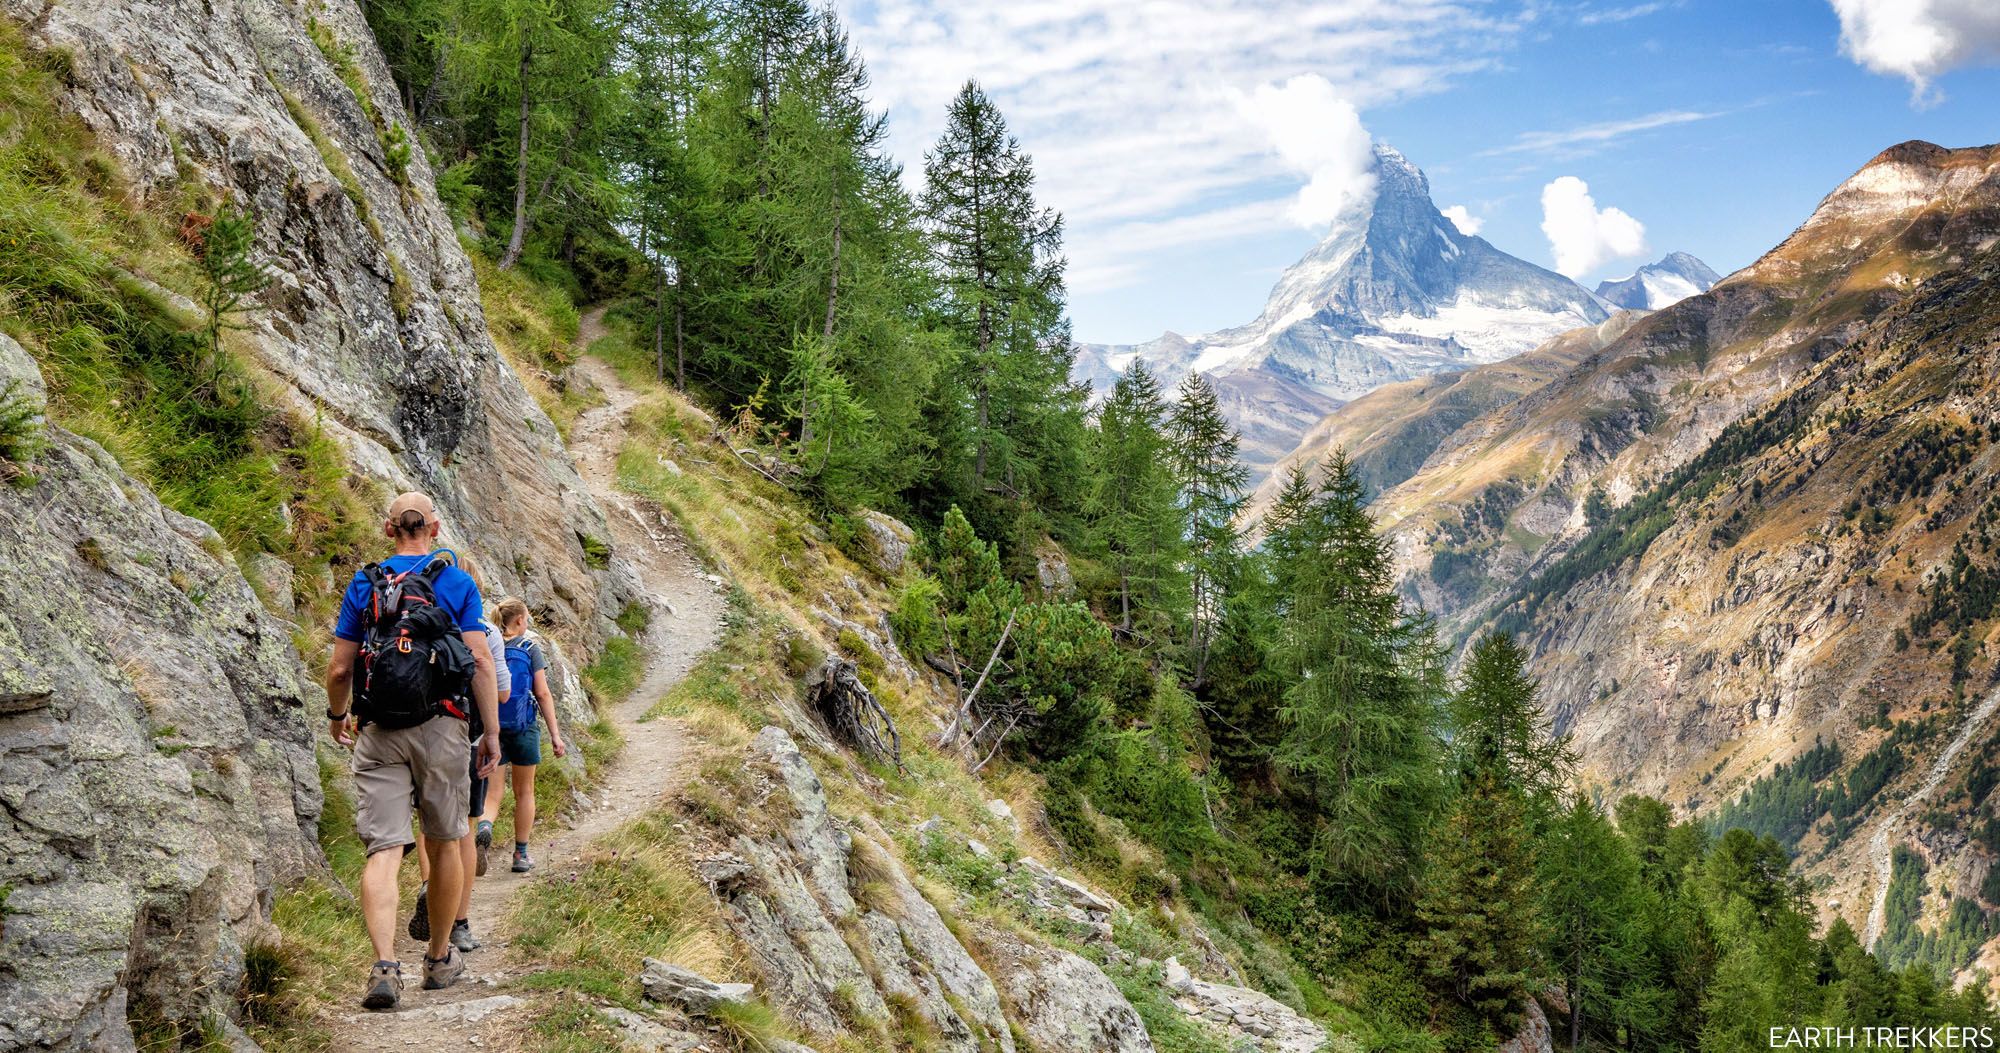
511 608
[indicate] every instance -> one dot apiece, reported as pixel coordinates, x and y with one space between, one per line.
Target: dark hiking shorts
521 747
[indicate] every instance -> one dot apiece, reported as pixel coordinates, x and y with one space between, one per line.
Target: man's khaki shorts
421 768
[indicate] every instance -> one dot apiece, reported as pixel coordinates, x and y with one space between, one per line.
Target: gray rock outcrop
835 925
1534 1035
691 991
373 319
1062 1001
888 541
157 776
1250 1017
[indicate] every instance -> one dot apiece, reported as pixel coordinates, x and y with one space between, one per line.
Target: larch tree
1203 449
998 257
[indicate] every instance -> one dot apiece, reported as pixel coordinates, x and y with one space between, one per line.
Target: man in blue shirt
422 766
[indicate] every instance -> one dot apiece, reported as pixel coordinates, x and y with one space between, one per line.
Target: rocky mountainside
1394 291
1675 277
1390 432
373 323
156 716
1758 520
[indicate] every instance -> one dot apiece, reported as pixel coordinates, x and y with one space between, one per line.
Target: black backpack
413 665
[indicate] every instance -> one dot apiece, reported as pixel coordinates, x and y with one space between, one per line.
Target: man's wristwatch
331 715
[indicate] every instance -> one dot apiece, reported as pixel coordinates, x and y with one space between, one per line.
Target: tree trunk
515 241
826 333
680 348
660 324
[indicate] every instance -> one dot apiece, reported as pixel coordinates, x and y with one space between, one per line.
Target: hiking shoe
522 864
461 936
420 922
440 973
385 986
484 840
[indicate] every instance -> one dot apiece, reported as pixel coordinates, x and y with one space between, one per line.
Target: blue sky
1197 147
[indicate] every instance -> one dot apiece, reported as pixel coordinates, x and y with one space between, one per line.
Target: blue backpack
519 711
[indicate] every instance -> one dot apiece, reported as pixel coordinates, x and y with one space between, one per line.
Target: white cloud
1603 16
1462 218
1592 135
1919 39
1135 112
1319 136
1583 236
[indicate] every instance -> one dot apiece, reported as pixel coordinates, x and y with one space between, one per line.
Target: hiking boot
440 973
484 840
385 986
522 864
461 936
420 922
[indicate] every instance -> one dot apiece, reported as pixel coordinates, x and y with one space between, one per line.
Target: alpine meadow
857 653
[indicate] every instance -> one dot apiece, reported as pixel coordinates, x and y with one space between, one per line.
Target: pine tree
1361 713
998 256
1479 908
1135 521
1594 906
1498 724
669 48
1203 448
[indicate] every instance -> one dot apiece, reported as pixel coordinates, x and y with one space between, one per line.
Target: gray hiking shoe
442 973
483 840
385 986
522 863
420 921
461 936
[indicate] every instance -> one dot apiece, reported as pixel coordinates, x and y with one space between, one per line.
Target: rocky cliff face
1790 539
156 722
373 321
156 756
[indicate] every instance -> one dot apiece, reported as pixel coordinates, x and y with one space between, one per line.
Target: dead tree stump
835 693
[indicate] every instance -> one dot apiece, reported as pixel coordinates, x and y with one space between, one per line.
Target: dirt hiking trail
483 1011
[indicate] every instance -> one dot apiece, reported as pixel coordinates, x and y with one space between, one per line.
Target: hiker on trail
409 649
520 740
472 850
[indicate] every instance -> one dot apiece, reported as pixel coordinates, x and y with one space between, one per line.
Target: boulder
1534 1035
1052 571
1250 1018
1062 1002
887 540
693 993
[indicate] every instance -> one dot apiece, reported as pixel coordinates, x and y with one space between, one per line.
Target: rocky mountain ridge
1394 291
1754 521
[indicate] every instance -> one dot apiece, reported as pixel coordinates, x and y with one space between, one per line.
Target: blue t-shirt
457 595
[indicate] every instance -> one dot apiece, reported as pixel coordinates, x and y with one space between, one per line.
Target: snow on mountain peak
1674 278
1393 291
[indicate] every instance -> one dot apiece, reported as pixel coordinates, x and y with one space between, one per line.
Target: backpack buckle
403 645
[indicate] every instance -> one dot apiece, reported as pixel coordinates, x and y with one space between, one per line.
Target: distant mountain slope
1674 278
1391 431
1393 292
1792 538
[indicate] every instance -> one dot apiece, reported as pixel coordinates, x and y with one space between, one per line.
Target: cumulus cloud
1462 218
1135 113
1919 39
1583 236
1319 135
